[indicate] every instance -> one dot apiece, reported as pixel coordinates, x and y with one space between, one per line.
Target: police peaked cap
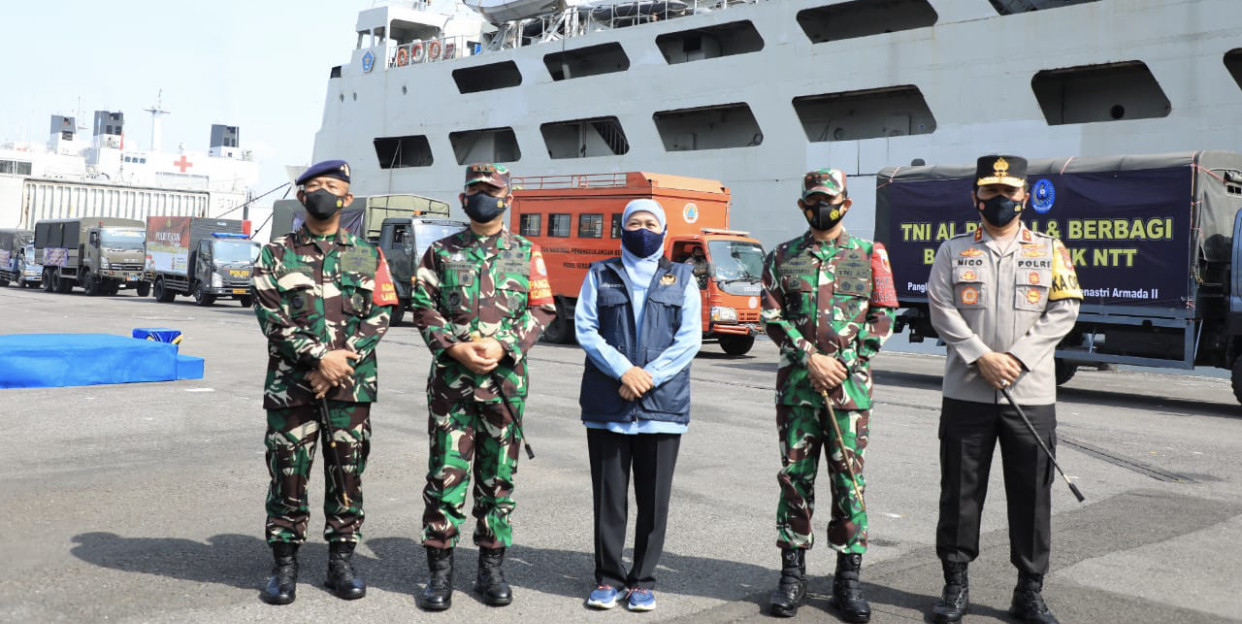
994 169
338 169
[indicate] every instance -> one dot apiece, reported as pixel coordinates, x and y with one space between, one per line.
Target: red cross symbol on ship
183 164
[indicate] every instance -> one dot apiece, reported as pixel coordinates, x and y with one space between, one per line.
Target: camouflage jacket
495 286
313 295
835 298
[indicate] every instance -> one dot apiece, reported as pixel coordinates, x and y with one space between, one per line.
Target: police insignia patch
1033 278
1033 295
971 251
970 296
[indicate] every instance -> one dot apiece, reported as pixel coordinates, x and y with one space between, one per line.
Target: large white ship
74 174
756 92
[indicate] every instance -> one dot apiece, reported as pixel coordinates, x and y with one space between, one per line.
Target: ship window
400 152
1233 62
487 77
616 225
17 167
530 224
711 42
864 18
869 114
1009 7
559 224
584 138
1091 93
583 62
712 127
591 226
488 145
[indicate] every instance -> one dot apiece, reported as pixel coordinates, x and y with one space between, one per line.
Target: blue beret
338 169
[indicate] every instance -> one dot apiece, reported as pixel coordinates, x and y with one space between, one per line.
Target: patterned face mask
823 216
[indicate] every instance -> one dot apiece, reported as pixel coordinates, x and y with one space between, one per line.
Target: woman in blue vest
638 319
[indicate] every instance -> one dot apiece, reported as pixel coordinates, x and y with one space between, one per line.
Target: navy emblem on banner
1043 195
368 62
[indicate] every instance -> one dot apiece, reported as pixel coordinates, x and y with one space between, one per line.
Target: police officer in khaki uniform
1001 298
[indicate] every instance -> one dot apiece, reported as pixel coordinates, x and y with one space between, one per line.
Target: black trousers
968 435
652 457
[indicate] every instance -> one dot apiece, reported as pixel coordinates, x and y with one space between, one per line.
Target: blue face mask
642 242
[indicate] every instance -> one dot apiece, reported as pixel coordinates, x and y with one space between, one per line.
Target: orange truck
576 219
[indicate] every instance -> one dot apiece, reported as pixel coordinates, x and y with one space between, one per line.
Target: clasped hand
999 369
478 356
335 368
635 383
826 372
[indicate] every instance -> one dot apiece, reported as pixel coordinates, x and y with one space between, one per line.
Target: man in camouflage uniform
828 303
323 298
481 300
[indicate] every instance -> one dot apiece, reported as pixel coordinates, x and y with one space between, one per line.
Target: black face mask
321 204
483 208
1000 210
821 216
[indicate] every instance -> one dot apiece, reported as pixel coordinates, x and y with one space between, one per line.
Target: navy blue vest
666 295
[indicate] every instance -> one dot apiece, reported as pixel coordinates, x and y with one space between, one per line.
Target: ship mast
156 112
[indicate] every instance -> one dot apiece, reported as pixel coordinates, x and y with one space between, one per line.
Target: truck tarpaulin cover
1127 221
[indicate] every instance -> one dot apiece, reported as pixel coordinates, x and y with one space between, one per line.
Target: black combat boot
491 580
847 591
791 592
342 579
439 593
955 601
1028 605
282 585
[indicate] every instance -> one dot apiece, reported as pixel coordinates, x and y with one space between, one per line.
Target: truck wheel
48 276
560 331
1236 378
144 289
4 283
162 294
63 284
91 285
1064 371
201 298
246 301
736 345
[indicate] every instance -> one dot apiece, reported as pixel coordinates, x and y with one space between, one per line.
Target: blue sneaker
603 597
641 600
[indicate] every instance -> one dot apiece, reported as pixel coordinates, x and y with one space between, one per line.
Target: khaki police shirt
1022 300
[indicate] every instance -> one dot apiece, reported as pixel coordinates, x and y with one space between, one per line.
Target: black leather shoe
439 593
491 580
790 593
955 601
342 578
1028 601
847 595
282 585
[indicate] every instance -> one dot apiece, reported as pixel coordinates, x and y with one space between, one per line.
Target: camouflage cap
827 181
490 173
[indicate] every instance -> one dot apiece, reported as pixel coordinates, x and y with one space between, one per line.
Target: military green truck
200 257
404 241
101 255
364 217
12 255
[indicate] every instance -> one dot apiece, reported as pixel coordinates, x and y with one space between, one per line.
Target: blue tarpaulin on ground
51 360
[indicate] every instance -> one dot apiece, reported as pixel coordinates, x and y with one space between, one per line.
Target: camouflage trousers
292 436
483 434
803 432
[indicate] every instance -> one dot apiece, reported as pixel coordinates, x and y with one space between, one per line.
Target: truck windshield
737 266
238 250
427 233
122 239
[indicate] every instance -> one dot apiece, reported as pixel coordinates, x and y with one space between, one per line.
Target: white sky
259 64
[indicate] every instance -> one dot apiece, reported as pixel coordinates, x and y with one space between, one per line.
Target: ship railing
575 180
